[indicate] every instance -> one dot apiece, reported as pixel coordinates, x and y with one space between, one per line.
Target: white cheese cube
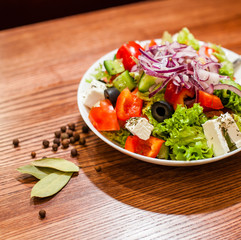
94 94
140 127
227 122
213 133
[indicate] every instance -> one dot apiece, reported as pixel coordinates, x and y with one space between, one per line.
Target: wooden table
41 66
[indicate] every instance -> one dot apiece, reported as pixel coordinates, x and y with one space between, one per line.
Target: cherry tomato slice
149 148
103 116
126 52
128 105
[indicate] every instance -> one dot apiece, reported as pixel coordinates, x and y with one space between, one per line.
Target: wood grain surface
41 66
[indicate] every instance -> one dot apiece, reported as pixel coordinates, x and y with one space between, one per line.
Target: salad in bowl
174 99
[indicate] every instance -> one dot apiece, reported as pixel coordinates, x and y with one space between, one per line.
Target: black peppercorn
56 141
42 213
74 152
57 134
64 136
85 129
44 157
76 136
71 126
98 168
72 140
15 142
65 143
45 143
63 129
82 141
55 147
33 154
69 132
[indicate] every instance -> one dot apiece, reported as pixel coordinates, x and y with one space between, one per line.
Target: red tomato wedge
103 117
209 101
128 105
126 52
177 98
149 148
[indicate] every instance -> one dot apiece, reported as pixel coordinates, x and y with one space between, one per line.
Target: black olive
112 94
161 110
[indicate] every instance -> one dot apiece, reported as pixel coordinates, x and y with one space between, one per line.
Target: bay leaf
50 184
56 163
36 171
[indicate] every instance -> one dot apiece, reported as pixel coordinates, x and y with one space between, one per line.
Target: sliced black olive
112 94
161 110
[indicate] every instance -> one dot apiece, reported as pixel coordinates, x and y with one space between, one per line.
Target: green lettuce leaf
185 37
118 136
227 66
237 119
166 37
184 134
230 99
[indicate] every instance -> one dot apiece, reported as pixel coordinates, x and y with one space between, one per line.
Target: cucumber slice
146 82
164 152
124 80
114 66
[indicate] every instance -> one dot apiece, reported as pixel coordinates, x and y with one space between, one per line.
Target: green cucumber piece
114 66
146 82
164 152
124 80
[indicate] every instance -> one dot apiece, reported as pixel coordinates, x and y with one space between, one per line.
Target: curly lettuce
118 136
230 99
184 134
185 37
227 66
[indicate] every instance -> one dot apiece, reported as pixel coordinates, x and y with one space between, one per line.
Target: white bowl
84 111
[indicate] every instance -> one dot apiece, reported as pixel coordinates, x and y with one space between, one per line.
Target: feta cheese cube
94 94
227 122
213 130
215 139
140 127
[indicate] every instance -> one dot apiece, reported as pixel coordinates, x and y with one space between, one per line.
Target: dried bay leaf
56 163
50 184
36 171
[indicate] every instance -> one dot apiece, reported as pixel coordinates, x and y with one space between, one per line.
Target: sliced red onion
181 64
227 87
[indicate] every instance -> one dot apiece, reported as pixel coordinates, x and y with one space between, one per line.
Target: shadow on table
168 190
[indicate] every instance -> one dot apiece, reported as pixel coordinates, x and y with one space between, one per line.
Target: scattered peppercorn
15 142
57 141
74 152
42 213
70 133
64 136
57 134
55 147
97 168
82 141
76 136
44 157
85 129
33 154
63 129
71 126
72 140
45 143
65 143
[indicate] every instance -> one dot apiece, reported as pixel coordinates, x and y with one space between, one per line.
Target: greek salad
176 99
